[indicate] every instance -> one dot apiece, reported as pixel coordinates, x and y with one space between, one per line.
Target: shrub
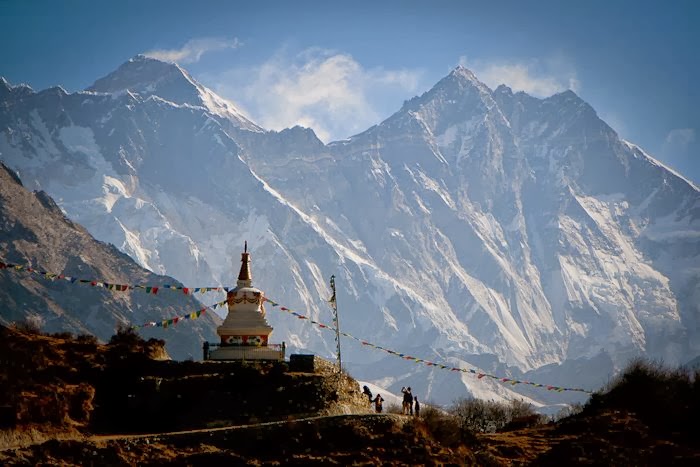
518 408
87 339
568 411
443 427
479 415
489 416
127 337
31 324
665 399
62 335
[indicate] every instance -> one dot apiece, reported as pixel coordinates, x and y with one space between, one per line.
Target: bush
87 339
518 408
479 415
63 335
522 415
443 427
667 400
127 337
489 416
31 324
568 411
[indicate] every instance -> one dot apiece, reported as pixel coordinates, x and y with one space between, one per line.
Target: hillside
89 395
36 234
71 401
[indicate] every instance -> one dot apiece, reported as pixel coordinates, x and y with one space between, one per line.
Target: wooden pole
336 323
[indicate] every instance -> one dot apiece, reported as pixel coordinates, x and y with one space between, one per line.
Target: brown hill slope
34 232
70 388
95 401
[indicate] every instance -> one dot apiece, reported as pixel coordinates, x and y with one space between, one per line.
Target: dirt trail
399 419
363 417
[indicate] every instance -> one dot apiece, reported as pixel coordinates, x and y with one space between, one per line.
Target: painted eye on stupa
254 340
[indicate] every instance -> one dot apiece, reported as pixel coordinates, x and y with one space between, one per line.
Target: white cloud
327 91
193 50
680 150
539 78
680 138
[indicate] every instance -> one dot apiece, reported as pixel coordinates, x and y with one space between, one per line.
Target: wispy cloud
680 138
193 49
539 78
327 91
680 149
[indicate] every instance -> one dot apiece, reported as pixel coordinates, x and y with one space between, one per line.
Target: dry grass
35 434
57 386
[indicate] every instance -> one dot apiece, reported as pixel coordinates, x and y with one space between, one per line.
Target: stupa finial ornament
245 278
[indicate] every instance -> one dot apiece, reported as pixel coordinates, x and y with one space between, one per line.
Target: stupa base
272 352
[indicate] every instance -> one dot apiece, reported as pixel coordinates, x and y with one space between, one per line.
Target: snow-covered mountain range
475 227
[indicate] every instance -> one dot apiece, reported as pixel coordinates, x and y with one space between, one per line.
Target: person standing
416 406
407 401
378 403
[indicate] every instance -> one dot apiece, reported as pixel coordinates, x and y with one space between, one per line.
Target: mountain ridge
471 223
168 81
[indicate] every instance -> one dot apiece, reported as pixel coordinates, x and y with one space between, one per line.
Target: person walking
416 406
378 403
368 393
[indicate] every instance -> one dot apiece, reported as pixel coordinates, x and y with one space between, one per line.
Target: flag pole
336 323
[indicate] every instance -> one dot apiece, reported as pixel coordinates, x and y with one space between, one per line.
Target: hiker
417 406
368 393
407 401
378 403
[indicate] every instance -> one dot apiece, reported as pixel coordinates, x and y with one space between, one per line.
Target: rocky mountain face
474 227
35 233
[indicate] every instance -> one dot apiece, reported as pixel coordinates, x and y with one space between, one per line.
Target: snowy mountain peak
463 73
140 73
6 87
151 77
457 98
503 89
567 96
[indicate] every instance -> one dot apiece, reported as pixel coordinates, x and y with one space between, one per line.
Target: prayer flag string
149 289
196 314
173 321
477 373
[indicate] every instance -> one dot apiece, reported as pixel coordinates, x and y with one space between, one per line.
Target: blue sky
342 67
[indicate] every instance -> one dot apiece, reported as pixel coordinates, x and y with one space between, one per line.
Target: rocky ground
338 440
57 411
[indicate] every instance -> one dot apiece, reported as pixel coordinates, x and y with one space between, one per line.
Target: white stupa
245 331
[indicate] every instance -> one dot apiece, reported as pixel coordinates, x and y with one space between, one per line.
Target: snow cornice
660 164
